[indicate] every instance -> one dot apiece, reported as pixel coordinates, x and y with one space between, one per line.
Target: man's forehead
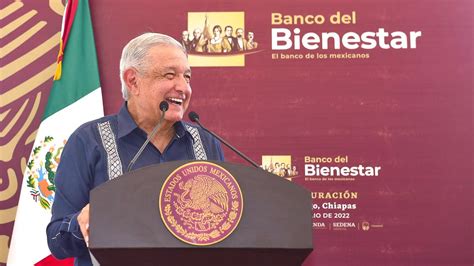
159 68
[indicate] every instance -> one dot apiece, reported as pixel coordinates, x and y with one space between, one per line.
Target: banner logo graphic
218 39
201 203
280 165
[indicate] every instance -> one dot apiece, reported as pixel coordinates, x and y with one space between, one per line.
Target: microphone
194 117
163 107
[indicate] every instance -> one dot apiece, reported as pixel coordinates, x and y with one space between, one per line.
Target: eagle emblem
201 203
41 170
204 201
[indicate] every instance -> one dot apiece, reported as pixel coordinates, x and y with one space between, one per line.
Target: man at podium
153 68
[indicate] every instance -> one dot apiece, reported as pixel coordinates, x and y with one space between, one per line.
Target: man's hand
83 220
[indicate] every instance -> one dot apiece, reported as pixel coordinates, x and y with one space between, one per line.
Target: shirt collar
126 124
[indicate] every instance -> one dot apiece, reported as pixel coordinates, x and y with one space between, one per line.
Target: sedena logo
218 39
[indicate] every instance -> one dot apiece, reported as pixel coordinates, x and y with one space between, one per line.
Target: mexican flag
75 98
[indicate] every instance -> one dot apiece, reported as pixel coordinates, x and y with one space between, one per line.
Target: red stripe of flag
52 261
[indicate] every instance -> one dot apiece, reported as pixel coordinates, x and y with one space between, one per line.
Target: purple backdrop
408 111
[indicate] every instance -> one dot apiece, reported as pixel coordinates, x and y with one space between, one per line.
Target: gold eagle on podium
203 202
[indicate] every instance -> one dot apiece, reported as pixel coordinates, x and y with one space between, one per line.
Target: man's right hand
83 220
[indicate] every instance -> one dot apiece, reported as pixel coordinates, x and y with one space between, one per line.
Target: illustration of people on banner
222 39
279 165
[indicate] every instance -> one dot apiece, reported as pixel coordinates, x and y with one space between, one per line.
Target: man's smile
176 101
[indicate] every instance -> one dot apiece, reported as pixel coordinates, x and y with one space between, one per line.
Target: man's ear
130 76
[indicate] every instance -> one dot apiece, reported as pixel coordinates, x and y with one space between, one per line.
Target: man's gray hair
135 52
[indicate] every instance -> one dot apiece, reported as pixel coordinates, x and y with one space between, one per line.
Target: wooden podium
126 227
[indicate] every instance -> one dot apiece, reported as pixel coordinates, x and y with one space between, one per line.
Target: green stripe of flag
80 72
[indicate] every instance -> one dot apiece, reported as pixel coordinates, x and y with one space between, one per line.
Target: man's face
185 35
197 33
166 78
239 33
228 31
250 36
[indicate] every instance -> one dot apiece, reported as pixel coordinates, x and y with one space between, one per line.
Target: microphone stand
195 118
163 107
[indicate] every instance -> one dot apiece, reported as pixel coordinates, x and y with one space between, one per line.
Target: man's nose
182 84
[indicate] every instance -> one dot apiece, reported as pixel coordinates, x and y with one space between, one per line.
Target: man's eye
188 78
169 75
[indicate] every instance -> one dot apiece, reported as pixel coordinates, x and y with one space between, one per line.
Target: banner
30 34
74 99
365 104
